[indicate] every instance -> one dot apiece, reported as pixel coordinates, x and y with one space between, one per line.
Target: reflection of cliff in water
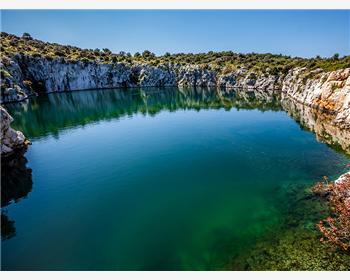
50 114
8 229
16 183
53 113
320 124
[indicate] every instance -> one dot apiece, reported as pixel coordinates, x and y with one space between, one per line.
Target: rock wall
327 92
11 140
26 75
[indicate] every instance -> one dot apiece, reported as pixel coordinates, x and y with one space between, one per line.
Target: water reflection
48 115
16 183
8 229
320 124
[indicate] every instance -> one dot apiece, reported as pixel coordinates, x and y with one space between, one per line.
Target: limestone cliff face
11 140
45 76
12 87
326 92
25 75
196 76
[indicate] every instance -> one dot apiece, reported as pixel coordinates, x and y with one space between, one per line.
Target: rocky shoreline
11 140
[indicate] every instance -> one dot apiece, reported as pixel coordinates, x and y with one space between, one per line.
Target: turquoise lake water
157 179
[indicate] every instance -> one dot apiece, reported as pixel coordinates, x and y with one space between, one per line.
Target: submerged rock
294 245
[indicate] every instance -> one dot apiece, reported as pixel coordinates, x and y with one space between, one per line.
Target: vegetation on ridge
225 61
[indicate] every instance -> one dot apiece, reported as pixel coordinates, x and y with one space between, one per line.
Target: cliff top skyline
224 62
296 33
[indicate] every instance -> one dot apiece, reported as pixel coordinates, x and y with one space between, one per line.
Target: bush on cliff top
223 61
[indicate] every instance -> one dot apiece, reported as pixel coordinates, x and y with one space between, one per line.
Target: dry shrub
336 228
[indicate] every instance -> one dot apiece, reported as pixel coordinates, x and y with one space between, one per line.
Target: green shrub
85 60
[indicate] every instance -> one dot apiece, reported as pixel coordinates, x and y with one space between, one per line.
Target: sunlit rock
11 139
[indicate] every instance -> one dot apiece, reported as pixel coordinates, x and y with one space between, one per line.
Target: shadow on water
16 183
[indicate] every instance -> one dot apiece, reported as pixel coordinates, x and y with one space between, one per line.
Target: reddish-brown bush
336 228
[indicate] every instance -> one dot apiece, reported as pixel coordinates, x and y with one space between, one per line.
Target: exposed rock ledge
11 140
326 92
341 179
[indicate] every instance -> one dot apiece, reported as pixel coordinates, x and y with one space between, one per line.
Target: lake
155 179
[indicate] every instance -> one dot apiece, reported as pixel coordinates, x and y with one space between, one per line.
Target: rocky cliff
327 92
25 75
11 140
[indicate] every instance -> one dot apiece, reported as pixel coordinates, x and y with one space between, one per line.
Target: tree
96 51
107 51
335 56
148 54
27 36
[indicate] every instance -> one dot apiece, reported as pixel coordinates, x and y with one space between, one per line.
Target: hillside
224 62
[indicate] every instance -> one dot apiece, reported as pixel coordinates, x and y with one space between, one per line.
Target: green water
157 179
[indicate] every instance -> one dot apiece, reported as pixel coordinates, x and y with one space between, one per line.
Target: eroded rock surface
11 140
327 92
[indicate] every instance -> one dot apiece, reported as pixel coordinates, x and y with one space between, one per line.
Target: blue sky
303 33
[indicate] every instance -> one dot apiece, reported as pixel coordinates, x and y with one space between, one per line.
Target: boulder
11 140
